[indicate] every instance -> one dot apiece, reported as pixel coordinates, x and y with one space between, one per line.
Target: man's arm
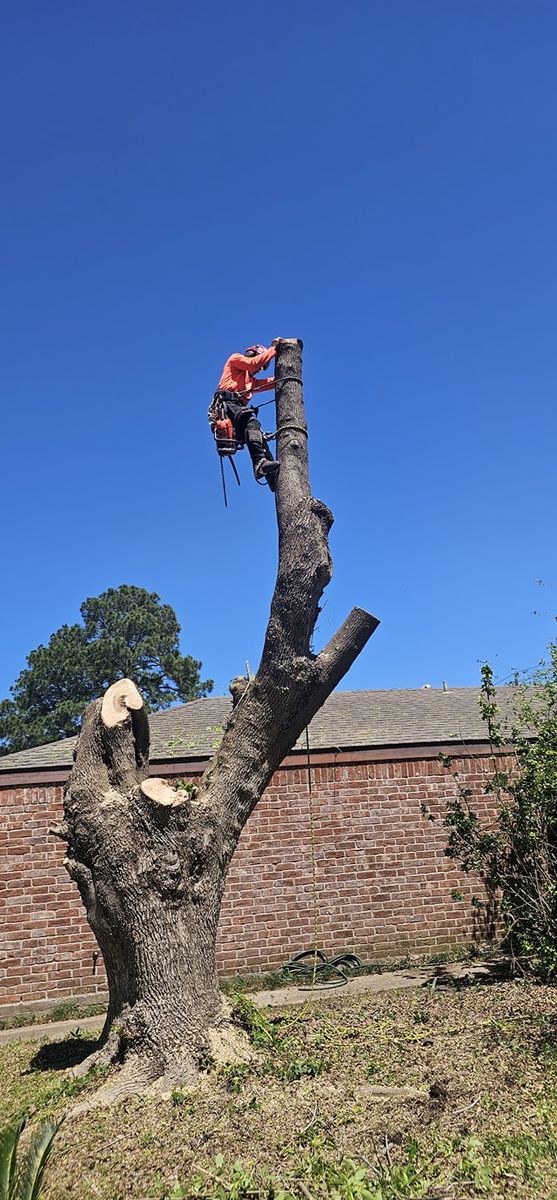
263 385
255 364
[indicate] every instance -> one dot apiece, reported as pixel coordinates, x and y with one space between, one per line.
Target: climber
237 385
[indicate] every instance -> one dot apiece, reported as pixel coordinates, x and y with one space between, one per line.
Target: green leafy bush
516 854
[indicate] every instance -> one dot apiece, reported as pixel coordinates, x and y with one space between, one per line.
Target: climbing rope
288 379
315 898
313 965
270 437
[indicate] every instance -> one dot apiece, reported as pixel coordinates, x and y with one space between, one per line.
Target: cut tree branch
162 792
344 647
113 746
119 699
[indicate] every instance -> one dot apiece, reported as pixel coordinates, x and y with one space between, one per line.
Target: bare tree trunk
150 861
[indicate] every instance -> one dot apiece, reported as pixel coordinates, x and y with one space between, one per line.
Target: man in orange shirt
237 385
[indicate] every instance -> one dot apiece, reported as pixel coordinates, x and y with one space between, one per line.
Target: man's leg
249 430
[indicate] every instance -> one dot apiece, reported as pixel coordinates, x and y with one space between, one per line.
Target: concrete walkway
388 981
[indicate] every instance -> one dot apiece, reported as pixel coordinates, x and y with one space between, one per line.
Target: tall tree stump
150 860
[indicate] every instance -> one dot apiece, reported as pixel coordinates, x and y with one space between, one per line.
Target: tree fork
150 860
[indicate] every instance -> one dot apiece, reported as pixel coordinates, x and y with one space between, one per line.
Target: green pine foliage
124 633
516 855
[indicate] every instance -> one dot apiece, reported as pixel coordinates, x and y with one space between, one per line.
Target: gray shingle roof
402 717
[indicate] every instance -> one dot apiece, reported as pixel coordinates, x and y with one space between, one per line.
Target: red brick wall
46 946
383 882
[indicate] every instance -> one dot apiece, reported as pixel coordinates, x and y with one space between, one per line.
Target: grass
35 1078
301 1119
59 1012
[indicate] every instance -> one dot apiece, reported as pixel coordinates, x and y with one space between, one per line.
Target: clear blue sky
379 179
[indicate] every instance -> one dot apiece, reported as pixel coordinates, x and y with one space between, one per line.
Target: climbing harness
222 428
226 442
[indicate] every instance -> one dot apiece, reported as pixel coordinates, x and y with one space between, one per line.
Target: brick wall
383 882
46 947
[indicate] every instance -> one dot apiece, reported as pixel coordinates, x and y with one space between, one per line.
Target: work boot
267 469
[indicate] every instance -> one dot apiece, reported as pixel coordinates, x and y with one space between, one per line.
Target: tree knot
238 688
323 514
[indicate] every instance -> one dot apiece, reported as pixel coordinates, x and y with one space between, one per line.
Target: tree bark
149 860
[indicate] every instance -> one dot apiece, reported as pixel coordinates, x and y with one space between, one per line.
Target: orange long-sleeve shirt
238 372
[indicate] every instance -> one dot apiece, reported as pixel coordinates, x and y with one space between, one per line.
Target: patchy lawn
478 1116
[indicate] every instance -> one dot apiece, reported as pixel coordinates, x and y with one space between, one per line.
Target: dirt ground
429 1093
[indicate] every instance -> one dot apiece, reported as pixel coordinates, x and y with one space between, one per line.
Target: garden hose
314 964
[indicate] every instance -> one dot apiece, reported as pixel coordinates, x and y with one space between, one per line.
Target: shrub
516 855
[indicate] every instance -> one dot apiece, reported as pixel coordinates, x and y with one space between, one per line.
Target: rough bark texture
150 864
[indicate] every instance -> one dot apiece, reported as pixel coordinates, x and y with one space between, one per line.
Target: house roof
347 720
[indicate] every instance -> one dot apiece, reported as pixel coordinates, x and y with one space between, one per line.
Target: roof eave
41 776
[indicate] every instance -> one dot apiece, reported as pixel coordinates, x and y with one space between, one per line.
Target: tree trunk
150 860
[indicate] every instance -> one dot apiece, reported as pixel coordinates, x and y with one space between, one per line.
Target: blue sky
378 179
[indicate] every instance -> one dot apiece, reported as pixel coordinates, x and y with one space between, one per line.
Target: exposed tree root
135 1078
161 1075
104 1055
